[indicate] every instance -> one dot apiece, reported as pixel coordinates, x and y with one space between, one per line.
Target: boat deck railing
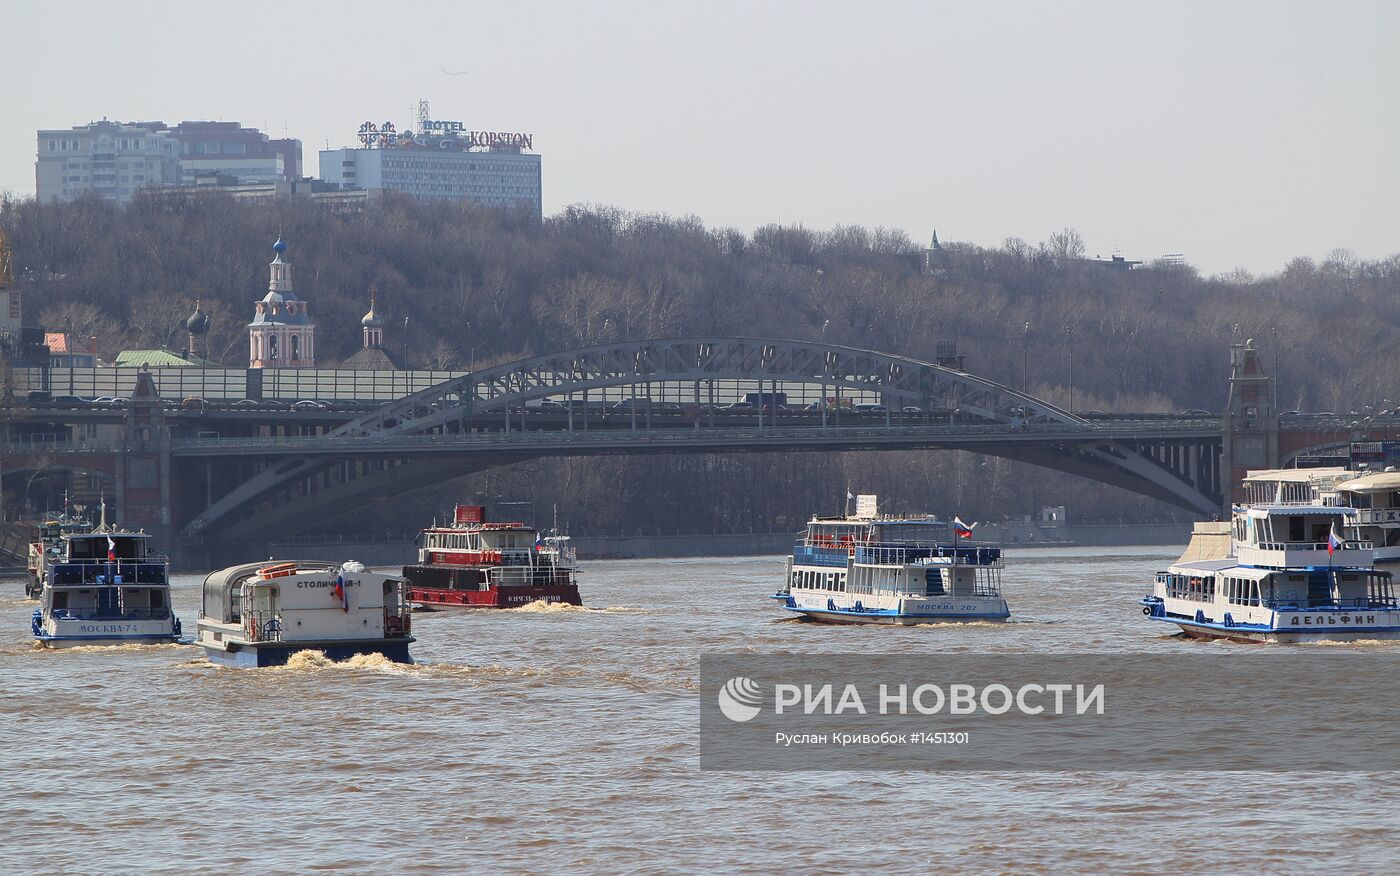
263 626
398 620
531 576
105 574
1352 604
1311 546
874 553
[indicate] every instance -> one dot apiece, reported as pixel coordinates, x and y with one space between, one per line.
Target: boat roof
1372 483
119 534
1293 475
1216 567
1267 510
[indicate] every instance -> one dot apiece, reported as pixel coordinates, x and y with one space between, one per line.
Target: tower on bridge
281 334
1251 421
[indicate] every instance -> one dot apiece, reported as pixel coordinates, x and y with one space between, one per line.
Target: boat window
1295 529
60 599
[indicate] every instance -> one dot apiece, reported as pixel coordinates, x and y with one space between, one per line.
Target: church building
281 334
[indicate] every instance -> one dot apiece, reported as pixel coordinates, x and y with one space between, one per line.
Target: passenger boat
872 569
1376 498
259 614
472 563
1280 571
103 587
47 546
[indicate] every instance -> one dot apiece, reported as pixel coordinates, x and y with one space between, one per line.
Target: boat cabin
1280 536
1376 498
292 602
107 576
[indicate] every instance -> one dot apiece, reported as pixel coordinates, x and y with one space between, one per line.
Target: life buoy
252 630
1147 610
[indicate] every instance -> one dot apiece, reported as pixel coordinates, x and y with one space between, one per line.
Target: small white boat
1280 571
869 569
259 614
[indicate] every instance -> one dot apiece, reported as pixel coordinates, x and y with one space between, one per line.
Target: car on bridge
109 401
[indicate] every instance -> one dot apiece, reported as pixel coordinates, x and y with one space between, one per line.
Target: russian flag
1333 543
962 530
342 594
539 541
111 550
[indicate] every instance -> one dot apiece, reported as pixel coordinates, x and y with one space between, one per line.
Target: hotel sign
444 134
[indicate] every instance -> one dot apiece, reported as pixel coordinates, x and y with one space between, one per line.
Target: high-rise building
229 149
114 160
110 159
489 168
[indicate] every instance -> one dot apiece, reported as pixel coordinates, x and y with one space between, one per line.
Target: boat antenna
102 522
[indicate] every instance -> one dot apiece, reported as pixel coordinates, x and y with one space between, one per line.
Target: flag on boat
539 541
1333 542
341 593
850 495
111 550
962 529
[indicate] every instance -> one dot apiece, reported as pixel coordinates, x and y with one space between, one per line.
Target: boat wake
312 660
539 606
124 648
1358 643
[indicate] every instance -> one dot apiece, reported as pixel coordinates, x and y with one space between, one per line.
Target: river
563 740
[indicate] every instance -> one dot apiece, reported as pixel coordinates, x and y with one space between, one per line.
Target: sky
1242 134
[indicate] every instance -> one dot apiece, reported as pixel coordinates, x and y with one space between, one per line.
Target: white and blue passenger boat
260 614
869 569
1282 570
104 587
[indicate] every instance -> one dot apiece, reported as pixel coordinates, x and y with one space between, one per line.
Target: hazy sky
1241 134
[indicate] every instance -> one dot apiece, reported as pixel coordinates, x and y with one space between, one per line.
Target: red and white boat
475 564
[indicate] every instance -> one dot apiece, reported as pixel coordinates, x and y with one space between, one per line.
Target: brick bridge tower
143 467
1250 422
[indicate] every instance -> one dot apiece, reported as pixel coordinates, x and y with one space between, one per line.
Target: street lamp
1025 340
1069 342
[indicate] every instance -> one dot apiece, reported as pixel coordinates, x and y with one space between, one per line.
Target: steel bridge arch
896 379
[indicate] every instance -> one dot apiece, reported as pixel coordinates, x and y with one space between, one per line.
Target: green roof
159 358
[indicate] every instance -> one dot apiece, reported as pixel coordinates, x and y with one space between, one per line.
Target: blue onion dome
279 247
198 323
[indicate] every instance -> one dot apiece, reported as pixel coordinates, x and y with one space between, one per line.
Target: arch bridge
485 418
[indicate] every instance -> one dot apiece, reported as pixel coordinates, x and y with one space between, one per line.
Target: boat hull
58 642
908 620
902 612
252 655
67 632
504 596
1285 627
